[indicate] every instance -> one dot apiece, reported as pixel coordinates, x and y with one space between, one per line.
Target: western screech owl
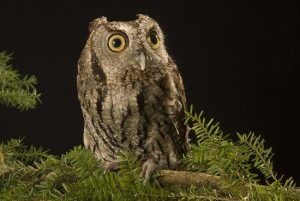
131 95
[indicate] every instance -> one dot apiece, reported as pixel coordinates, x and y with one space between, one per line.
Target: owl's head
136 45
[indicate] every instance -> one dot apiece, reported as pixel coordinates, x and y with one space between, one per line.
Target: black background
239 61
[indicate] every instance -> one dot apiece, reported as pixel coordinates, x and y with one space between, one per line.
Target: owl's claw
112 165
148 168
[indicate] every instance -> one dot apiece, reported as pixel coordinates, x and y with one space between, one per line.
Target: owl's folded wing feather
181 137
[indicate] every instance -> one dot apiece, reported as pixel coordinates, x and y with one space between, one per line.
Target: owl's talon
148 168
112 165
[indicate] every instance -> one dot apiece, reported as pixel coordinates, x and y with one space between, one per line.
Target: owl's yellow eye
153 39
116 42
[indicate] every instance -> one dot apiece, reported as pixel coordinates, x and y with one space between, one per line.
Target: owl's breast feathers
139 113
143 116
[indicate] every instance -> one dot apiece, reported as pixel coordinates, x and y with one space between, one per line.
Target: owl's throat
141 60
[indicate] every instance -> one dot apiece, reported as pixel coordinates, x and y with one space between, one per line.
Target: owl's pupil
116 42
153 38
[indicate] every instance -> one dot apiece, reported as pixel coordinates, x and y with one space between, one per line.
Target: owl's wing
179 84
181 136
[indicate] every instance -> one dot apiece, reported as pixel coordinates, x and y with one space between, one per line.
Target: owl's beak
141 59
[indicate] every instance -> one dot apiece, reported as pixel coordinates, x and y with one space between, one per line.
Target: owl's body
131 94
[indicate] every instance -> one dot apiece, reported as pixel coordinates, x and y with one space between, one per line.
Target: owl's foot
148 168
112 165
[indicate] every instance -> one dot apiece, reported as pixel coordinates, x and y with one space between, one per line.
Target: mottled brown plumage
131 94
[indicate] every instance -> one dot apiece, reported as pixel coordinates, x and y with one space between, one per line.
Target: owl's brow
110 27
119 26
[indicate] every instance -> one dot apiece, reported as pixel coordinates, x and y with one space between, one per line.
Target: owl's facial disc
141 60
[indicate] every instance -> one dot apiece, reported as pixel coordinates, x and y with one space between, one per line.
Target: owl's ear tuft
97 22
143 17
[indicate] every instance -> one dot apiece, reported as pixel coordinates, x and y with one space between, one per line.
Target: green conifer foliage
29 173
16 91
237 163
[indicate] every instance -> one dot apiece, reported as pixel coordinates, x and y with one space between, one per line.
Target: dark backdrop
239 61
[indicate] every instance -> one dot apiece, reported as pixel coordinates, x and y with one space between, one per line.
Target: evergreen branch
262 157
262 160
16 91
184 178
215 154
215 169
77 175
